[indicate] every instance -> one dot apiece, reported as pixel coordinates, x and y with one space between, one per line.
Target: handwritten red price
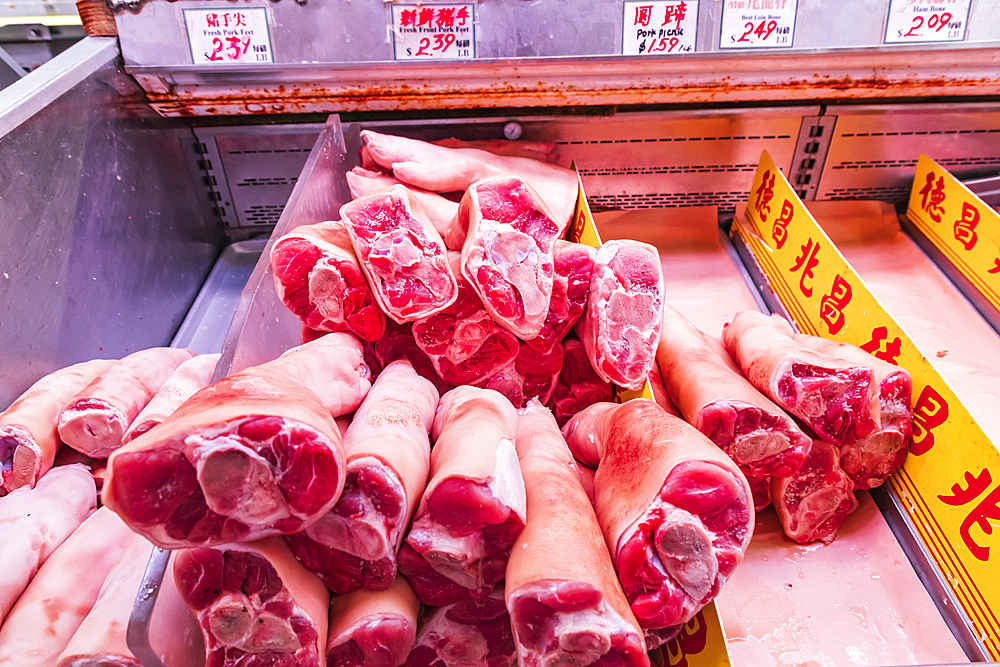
933 25
761 31
441 43
927 21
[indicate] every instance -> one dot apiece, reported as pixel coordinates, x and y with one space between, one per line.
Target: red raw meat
834 397
815 501
532 374
318 277
473 507
714 397
440 210
401 253
621 327
574 266
565 602
465 344
256 605
871 460
467 633
29 436
453 169
398 343
373 628
508 252
674 509
94 421
388 457
189 377
579 384
255 454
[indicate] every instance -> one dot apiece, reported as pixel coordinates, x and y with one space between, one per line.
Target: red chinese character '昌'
642 15
933 196
831 306
807 262
676 14
892 348
965 227
929 412
780 230
764 194
692 640
446 17
988 508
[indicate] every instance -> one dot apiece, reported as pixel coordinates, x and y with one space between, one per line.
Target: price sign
433 31
226 36
660 27
927 21
758 24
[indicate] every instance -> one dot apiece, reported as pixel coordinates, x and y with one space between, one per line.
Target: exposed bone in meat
621 326
100 641
255 454
574 266
189 377
465 344
442 169
255 603
95 419
473 507
674 509
579 384
813 502
401 253
531 374
29 435
63 592
835 397
440 210
318 277
36 521
564 599
467 633
373 628
714 397
388 458
508 252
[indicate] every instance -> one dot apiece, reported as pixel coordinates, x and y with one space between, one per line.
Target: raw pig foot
440 210
833 402
247 615
398 343
574 265
382 643
760 488
762 442
531 374
354 545
259 470
579 386
570 623
470 633
872 460
815 501
681 550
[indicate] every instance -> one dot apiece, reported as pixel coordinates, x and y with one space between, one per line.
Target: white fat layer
506 483
457 558
457 645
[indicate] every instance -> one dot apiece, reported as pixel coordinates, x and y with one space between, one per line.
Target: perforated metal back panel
874 151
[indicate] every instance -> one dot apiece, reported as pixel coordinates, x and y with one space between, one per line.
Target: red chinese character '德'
642 14
929 412
764 194
212 19
807 262
831 306
933 196
407 17
425 16
988 508
892 349
446 17
965 227
692 640
780 230
675 13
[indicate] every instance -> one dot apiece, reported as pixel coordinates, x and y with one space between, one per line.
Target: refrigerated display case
142 185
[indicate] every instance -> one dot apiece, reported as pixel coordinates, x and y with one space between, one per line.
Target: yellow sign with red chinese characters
959 224
949 485
701 642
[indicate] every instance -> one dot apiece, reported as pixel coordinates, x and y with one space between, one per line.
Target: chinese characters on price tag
659 27
226 36
433 31
927 21
758 24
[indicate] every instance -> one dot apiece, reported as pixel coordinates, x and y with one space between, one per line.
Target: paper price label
657 28
927 21
227 36
440 32
949 485
758 24
963 227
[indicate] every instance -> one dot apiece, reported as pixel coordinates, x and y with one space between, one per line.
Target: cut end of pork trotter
574 266
815 501
373 629
621 326
579 385
470 633
401 253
